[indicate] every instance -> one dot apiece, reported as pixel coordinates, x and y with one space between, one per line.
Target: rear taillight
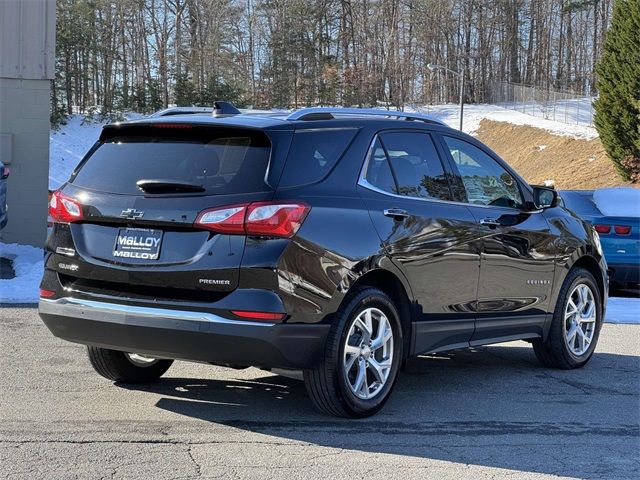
264 219
602 228
223 220
622 229
46 293
64 209
275 219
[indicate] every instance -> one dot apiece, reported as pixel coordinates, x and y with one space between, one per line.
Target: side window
485 181
313 154
416 169
378 172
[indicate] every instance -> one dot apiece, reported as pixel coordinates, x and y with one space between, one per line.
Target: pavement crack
195 462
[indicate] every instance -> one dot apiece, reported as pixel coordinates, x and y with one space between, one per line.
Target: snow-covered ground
69 143
475 113
28 264
623 310
575 111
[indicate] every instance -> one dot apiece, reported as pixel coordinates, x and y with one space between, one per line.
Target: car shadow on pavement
492 406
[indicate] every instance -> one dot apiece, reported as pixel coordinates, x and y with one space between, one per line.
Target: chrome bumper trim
127 314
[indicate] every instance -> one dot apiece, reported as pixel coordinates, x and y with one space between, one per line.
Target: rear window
222 162
313 154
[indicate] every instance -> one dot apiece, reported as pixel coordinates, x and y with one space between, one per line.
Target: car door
432 240
517 256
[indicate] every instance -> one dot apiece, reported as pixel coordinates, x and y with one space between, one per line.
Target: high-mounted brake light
64 209
622 229
264 219
602 228
183 126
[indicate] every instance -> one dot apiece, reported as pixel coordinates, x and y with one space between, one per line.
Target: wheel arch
391 284
590 264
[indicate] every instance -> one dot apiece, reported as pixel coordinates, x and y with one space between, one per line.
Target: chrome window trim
104 308
363 182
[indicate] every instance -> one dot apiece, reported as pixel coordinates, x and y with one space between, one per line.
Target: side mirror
4 173
545 197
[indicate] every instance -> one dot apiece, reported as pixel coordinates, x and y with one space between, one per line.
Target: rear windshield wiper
168 186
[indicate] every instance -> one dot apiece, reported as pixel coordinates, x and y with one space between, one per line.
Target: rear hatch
140 191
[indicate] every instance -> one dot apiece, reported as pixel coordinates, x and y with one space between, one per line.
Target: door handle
492 222
396 213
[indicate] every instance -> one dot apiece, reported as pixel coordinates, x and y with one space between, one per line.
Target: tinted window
486 182
378 172
415 163
222 164
313 154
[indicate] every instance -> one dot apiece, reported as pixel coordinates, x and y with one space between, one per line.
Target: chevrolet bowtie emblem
132 213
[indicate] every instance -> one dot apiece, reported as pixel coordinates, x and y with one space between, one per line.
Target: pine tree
185 92
618 108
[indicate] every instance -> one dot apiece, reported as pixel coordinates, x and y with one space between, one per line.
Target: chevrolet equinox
336 242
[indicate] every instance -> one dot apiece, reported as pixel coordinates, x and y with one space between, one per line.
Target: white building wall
27 48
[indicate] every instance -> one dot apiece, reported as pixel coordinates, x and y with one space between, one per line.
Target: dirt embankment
538 155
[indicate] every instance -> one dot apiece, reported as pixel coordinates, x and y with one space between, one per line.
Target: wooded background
142 55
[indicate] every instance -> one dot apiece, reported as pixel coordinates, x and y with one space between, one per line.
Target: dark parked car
4 175
338 242
619 229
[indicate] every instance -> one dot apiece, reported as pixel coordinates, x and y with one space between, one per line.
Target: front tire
126 367
362 357
576 323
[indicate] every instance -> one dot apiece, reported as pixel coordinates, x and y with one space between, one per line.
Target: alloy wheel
368 353
580 319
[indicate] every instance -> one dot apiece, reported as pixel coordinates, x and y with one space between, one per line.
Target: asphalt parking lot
487 413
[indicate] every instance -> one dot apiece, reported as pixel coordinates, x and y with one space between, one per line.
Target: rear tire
124 367
366 336
566 348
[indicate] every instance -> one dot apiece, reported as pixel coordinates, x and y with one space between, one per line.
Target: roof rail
181 111
219 109
316 113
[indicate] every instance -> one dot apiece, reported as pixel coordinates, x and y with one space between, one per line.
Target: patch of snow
623 310
28 263
474 113
69 144
618 202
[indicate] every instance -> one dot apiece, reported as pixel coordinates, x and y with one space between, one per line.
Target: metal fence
561 106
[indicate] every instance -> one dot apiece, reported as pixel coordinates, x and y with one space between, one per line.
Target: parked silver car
4 174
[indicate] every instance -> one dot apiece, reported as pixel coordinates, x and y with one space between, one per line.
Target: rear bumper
184 335
623 273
